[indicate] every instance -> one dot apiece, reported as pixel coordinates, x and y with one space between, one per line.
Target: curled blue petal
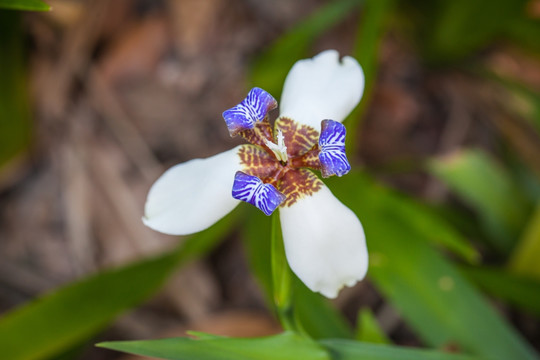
332 149
252 109
252 190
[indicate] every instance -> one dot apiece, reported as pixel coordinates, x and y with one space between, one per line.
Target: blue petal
252 109
332 149
252 190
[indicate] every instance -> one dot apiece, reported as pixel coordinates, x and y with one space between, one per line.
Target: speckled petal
251 110
192 196
324 242
322 88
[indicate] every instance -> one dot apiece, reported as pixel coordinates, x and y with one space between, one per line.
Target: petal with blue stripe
252 190
332 149
251 110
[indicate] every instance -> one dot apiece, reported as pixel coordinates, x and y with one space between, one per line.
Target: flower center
279 149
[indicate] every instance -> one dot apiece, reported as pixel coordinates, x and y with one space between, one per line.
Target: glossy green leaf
525 257
285 346
489 189
271 67
316 315
33 5
352 350
66 317
520 291
368 329
14 105
427 289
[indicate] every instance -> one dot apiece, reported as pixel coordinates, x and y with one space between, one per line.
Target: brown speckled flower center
292 178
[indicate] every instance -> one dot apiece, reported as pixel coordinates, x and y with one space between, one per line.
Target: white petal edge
192 196
324 243
322 88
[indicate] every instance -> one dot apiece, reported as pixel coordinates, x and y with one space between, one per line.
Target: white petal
324 243
192 196
322 88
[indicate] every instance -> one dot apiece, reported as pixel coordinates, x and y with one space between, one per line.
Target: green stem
281 278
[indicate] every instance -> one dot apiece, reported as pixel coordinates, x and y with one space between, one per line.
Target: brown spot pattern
298 138
256 136
257 162
297 184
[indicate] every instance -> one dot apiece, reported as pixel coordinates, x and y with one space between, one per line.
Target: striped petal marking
252 190
251 110
332 149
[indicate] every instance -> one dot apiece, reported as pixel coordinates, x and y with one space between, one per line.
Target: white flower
324 240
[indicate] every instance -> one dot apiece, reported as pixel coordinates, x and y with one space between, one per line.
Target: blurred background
98 98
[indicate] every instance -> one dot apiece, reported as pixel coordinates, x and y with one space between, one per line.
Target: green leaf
521 291
33 5
432 227
315 314
285 346
525 257
63 319
369 329
271 68
430 293
15 127
489 189
351 350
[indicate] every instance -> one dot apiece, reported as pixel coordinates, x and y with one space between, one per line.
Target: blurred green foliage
428 290
447 31
15 124
31 5
57 322
490 190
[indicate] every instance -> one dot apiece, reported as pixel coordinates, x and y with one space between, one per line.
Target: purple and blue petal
251 110
332 155
252 190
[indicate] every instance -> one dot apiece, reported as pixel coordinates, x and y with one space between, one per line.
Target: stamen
332 149
252 190
251 110
279 149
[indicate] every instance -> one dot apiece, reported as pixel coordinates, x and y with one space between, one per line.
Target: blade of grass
285 346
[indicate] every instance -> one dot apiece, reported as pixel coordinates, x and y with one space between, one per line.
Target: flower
324 240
